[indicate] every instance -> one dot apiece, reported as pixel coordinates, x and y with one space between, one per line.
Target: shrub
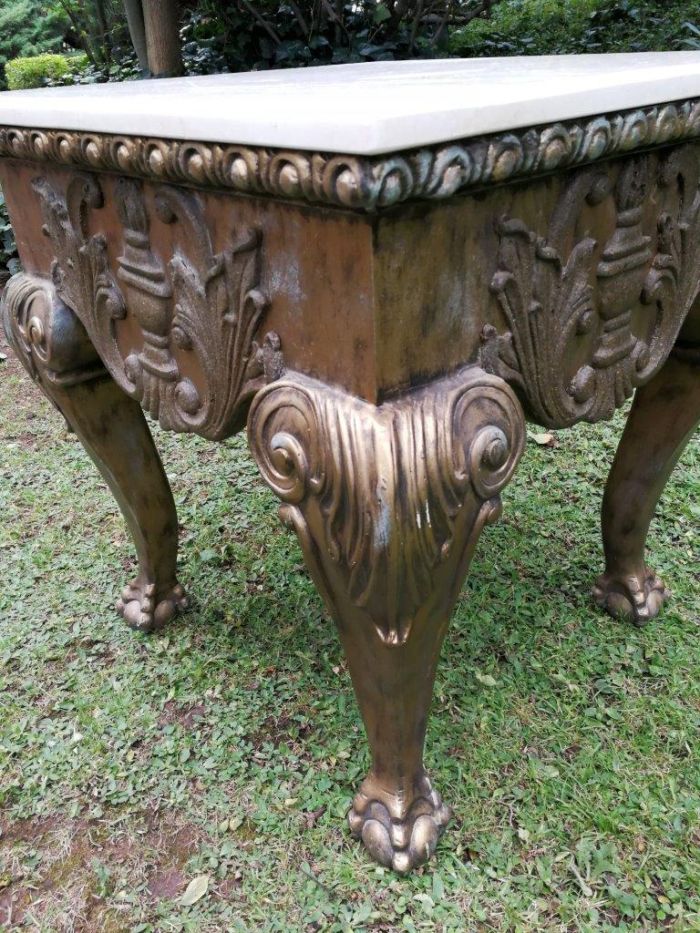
98 27
35 71
29 27
9 261
79 69
241 35
123 68
541 27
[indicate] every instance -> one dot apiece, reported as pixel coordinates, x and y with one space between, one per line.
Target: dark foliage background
242 35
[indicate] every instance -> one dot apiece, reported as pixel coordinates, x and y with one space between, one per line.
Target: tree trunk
101 34
162 24
83 38
137 31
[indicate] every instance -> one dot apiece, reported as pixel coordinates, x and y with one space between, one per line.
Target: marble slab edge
364 183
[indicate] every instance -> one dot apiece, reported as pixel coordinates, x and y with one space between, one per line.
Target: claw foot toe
146 610
629 598
399 840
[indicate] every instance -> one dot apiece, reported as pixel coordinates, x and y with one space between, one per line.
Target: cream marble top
364 109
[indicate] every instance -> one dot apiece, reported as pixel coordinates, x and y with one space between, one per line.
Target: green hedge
40 70
9 261
542 27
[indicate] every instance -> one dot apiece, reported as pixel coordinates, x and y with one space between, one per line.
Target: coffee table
384 270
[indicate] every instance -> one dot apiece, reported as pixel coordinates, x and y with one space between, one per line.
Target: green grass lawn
229 746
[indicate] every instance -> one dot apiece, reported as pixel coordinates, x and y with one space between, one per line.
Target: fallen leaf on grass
196 890
313 816
586 890
486 679
234 822
544 440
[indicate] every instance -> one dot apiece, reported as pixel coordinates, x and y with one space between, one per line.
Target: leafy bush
28 27
124 68
243 35
98 27
542 27
82 71
40 70
9 261
691 37
76 69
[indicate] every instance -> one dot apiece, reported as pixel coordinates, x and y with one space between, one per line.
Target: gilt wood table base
385 323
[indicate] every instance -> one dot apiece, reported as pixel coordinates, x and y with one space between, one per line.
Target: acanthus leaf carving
81 272
577 302
218 305
673 283
206 304
386 500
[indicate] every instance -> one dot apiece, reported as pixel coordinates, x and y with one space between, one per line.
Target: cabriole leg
54 348
662 419
388 503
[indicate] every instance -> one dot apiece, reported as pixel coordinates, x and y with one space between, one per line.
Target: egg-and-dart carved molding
362 182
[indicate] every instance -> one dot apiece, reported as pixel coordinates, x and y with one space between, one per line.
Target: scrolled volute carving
45 334
382 497
81 273
614 307
198 305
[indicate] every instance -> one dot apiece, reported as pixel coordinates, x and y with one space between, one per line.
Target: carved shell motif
201 303
387 501
562 303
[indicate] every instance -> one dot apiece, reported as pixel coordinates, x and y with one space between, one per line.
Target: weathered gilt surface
386 320
559 293
46 334
57 352
205 304
366 183
388 503
377 495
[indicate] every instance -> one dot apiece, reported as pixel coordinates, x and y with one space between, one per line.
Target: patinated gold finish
56 351
671 404
561 295
386 345
388 503
364 183
206 305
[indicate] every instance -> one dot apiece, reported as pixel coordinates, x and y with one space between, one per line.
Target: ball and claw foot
399 842
629 598
143 611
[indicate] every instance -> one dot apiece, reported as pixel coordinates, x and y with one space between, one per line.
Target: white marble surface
367 108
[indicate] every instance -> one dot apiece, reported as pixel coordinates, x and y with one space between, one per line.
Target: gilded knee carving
388 503
46 335
56 350
384 499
